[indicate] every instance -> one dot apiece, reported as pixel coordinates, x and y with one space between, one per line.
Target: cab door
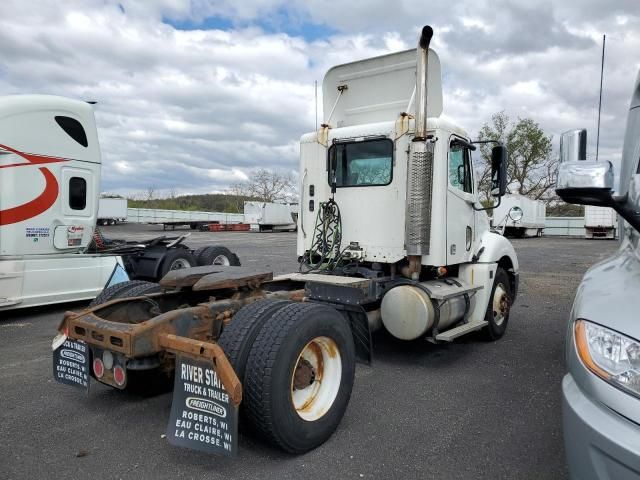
460 200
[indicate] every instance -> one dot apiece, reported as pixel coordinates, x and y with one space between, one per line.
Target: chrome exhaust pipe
421 83
420 169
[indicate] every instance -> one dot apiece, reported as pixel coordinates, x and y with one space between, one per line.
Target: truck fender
495 250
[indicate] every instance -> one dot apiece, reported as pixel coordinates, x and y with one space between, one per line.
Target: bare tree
150 193
238 193
531 170
270 186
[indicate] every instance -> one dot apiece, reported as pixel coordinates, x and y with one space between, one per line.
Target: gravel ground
470 409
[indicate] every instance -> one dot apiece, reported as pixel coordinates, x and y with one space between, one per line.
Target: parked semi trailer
600 222
49 186
263 216
177 218
519 216
391 234
112 210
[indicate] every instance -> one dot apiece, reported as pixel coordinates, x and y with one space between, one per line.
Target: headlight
610 355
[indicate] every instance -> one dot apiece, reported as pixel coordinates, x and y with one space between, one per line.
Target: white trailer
174 218
519 216
49 185
600 222
270 216
112 210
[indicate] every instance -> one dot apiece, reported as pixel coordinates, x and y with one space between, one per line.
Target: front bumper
599 443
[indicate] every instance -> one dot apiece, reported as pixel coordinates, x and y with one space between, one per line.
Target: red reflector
98 368
119 375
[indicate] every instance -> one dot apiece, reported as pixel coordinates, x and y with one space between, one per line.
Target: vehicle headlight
610 355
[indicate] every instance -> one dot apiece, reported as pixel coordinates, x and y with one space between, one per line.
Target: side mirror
586 183
516 213
499 158
573 145
579 181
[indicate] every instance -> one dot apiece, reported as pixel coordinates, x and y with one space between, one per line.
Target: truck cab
49 183
401 176
601 390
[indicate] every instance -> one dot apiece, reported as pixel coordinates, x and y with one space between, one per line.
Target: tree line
262 185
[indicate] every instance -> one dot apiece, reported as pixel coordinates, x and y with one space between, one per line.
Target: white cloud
193 111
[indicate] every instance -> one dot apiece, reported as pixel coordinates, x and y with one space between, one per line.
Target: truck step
463 329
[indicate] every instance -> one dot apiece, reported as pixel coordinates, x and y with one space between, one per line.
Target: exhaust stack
420 171
421 83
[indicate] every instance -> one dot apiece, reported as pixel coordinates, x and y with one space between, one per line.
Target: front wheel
499 306
299 376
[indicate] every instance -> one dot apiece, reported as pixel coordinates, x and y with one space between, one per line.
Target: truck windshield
364 163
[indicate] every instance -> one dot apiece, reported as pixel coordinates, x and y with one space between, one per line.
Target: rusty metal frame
207 351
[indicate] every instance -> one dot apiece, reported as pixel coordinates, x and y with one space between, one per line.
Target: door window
77 193
460 175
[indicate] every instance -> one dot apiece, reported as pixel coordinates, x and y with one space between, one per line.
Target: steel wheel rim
500 304
179 264
221 260
316 378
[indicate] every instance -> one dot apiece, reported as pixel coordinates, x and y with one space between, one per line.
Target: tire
498 320
176 259
131 288
193 226
314 330
239 336
216 255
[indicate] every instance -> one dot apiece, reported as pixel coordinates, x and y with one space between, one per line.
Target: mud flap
203 417
71 362
206 396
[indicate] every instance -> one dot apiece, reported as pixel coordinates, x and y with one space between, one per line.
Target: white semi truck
49 185
519 216
391 233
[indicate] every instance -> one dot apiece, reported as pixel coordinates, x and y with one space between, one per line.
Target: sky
194 95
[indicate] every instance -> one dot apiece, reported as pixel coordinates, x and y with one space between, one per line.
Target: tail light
119 375
98 368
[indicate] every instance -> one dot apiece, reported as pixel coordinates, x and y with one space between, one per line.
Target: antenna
604 39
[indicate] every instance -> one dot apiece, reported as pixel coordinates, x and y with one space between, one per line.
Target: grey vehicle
601 391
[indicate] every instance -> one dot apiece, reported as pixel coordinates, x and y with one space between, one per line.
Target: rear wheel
499 306
176 259
238 337
299 376
130 288
216 255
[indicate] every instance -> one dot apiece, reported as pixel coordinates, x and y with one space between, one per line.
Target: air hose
324 254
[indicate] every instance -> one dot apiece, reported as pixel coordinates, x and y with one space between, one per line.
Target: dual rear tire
297 365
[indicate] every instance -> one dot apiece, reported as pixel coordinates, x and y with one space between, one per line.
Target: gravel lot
470 409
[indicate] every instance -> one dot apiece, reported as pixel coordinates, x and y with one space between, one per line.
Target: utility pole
604 39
